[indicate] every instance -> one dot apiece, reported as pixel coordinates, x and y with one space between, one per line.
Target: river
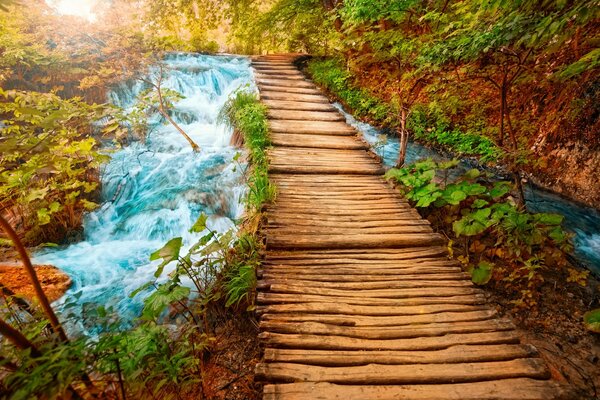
155 191
583 222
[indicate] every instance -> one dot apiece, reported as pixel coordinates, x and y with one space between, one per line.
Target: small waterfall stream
155 191
583 221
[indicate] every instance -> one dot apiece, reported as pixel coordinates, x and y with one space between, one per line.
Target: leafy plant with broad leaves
498 240
50 160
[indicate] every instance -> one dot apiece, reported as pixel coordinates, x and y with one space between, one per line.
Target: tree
162 100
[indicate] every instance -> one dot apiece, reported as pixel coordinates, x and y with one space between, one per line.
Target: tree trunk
403 138
44 302
165 114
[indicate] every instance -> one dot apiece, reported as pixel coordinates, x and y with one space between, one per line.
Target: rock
54 282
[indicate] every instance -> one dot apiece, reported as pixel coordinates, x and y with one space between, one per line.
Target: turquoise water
155 191
583 221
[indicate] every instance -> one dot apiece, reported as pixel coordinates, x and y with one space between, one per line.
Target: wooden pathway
357 299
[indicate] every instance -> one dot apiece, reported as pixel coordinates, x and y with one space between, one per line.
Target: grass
248 117
425 127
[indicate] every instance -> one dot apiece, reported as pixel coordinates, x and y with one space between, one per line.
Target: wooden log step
326 170
270 275
345 225
361 254
278 74
350 205
271 95
506 389
328 230
365 285
372 293
288 89
317 141
386 332
347 270
387 261
365 194
321 342
313 182
405 374
359 320
451 355
311 127
298 105
333 264
352 241
305 115
278 216
268 298
382 213
350 309
285 82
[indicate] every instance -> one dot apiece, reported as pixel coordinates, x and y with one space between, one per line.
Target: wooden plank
328 230
361 254
409 280
288 89
386 332
305 115
285 82
274 95
326 170
298 105
451 355
353 241
370 285
336 271
371 293
311 127
321 342
317 141
507 389
357 320
351 309
404 374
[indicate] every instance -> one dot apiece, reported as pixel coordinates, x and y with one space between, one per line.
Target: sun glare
79 8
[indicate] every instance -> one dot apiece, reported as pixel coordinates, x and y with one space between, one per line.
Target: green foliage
492 229
247 116
330 74
591 320
50 158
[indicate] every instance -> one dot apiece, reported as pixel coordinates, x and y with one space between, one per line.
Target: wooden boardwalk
357 299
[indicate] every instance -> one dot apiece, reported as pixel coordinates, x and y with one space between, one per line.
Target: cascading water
583 221
155 191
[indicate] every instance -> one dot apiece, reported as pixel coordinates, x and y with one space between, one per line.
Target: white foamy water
155 191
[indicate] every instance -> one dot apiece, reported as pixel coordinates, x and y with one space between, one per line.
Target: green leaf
200 224
168 253
499 189
591 320
473 223
43 216
548 219
482 274
472 174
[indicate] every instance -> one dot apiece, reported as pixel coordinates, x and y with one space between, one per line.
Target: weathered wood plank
298 105
276 95
372 293
508 389
451 355
361 320
305 115
322 342
352 309
352 241
311 127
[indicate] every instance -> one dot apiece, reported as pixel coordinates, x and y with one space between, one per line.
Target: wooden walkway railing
357 297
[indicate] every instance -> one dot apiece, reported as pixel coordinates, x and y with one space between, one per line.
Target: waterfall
155 191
